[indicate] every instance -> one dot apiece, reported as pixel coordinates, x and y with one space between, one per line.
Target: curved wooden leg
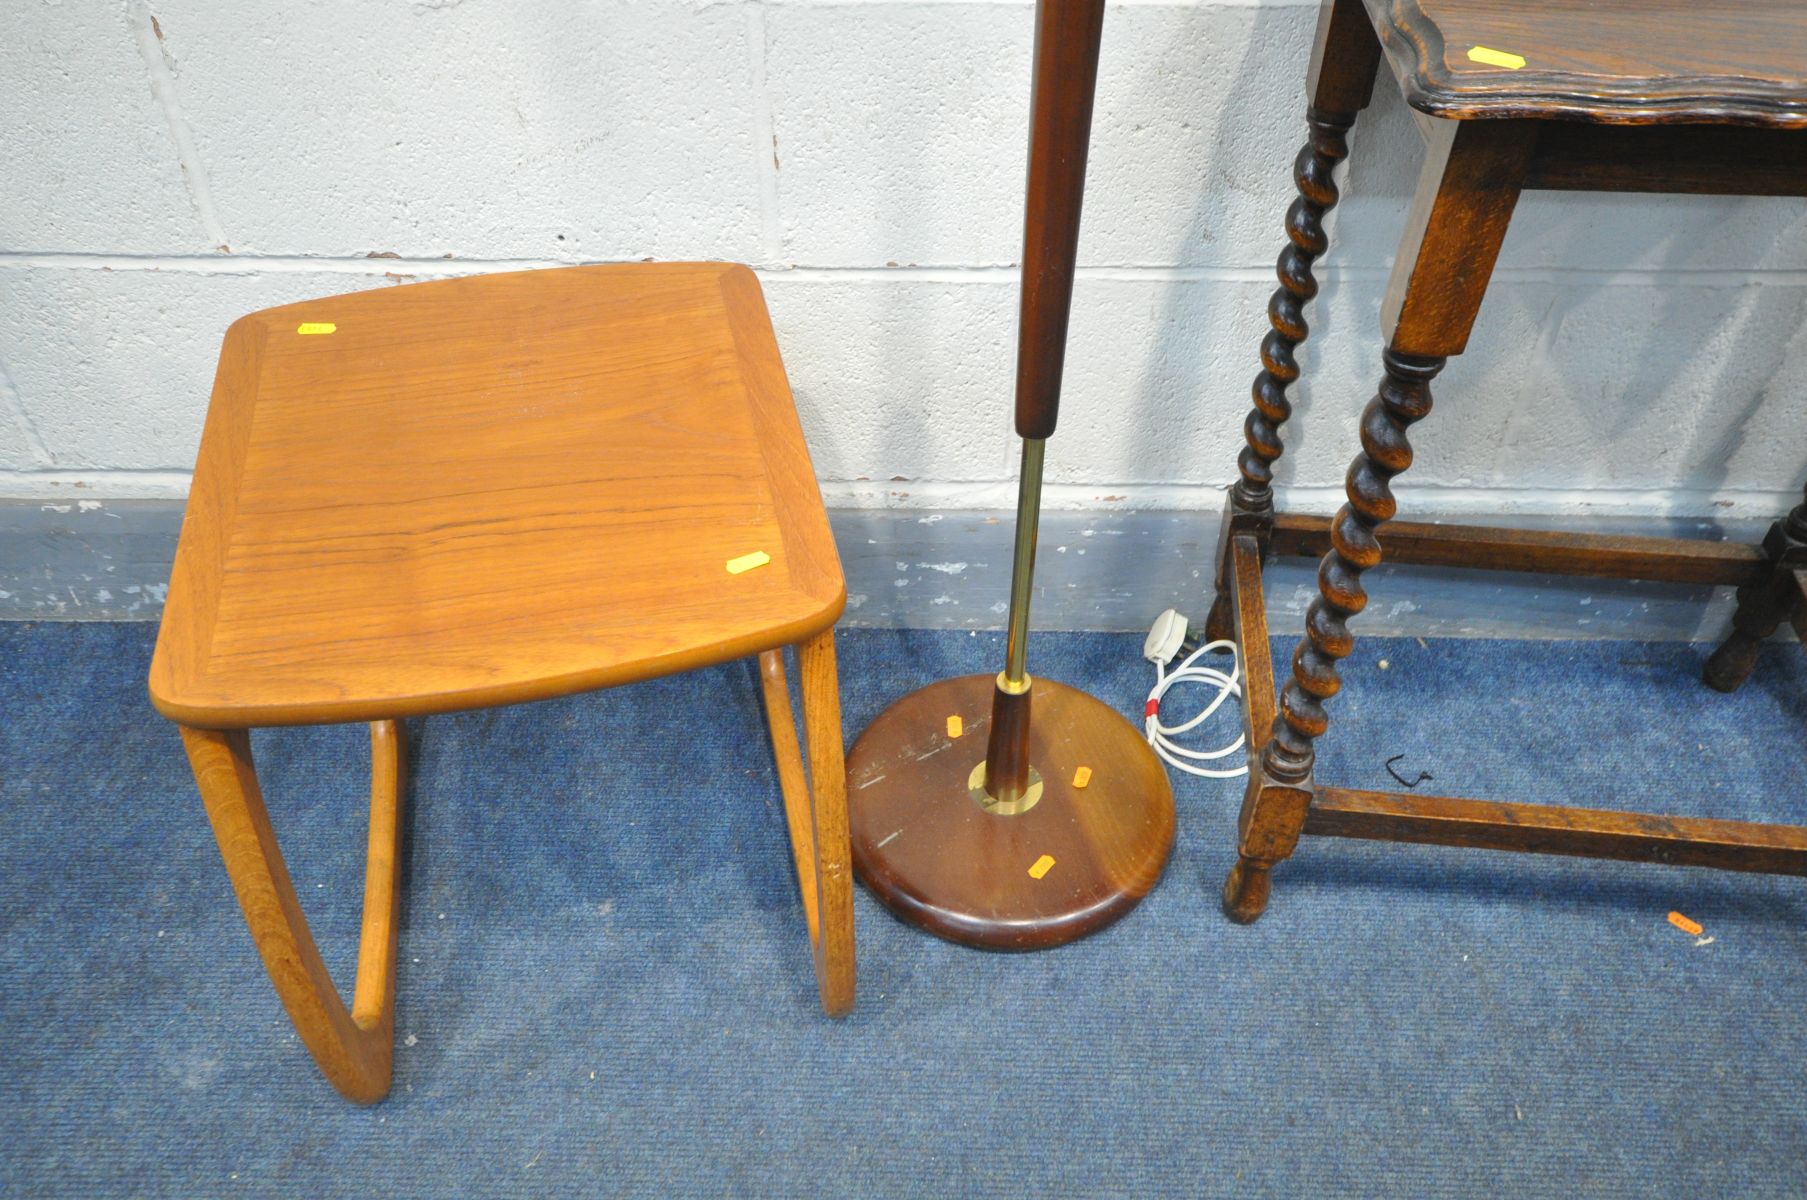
817 815
354 1049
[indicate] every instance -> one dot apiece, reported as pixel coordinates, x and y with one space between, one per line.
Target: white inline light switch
1164 637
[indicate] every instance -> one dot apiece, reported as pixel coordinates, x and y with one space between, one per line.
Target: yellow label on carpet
1495 58
1042 866
1691 928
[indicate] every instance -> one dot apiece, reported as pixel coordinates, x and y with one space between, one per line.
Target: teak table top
487 490
1632 62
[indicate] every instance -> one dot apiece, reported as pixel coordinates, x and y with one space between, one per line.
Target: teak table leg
1342 80
1762 607
1466 192
354 1049
815 808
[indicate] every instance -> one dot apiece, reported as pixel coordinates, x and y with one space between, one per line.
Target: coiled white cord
1161 736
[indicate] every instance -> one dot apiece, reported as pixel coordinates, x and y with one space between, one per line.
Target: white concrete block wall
170 164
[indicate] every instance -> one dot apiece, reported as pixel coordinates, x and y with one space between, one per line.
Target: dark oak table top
1620 62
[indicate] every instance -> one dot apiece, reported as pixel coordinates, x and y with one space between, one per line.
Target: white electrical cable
1160 736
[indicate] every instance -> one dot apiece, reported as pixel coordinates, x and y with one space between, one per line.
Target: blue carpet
604 986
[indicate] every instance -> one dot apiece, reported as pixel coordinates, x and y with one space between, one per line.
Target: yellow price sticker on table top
1496 58
955 727
1042 866
312 327
747 562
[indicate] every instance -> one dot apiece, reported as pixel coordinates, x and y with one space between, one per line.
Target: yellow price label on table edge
1496 58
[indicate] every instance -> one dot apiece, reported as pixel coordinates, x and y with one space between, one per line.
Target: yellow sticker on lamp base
307 327
747 562
955 727
1495 58
1042 866
1691 928
1082 776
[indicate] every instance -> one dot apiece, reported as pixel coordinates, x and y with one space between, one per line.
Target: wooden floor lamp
1010 812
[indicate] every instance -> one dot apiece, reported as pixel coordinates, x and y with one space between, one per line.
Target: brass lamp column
1008 811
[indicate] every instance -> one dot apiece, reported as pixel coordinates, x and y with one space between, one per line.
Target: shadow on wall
1726 343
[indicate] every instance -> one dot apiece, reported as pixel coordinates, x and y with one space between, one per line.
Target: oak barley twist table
1611 95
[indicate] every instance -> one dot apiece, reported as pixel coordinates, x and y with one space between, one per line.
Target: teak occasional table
481 491
1652 96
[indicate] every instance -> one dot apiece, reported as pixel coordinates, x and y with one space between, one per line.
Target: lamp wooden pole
1067 37
1065 823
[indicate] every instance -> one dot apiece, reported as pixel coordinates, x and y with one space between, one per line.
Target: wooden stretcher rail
1670 560
1543 829
1251 635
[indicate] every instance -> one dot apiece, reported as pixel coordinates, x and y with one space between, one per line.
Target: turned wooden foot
1245 891
1732 663
1763 606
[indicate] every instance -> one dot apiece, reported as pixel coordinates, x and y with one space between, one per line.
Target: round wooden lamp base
1085 852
